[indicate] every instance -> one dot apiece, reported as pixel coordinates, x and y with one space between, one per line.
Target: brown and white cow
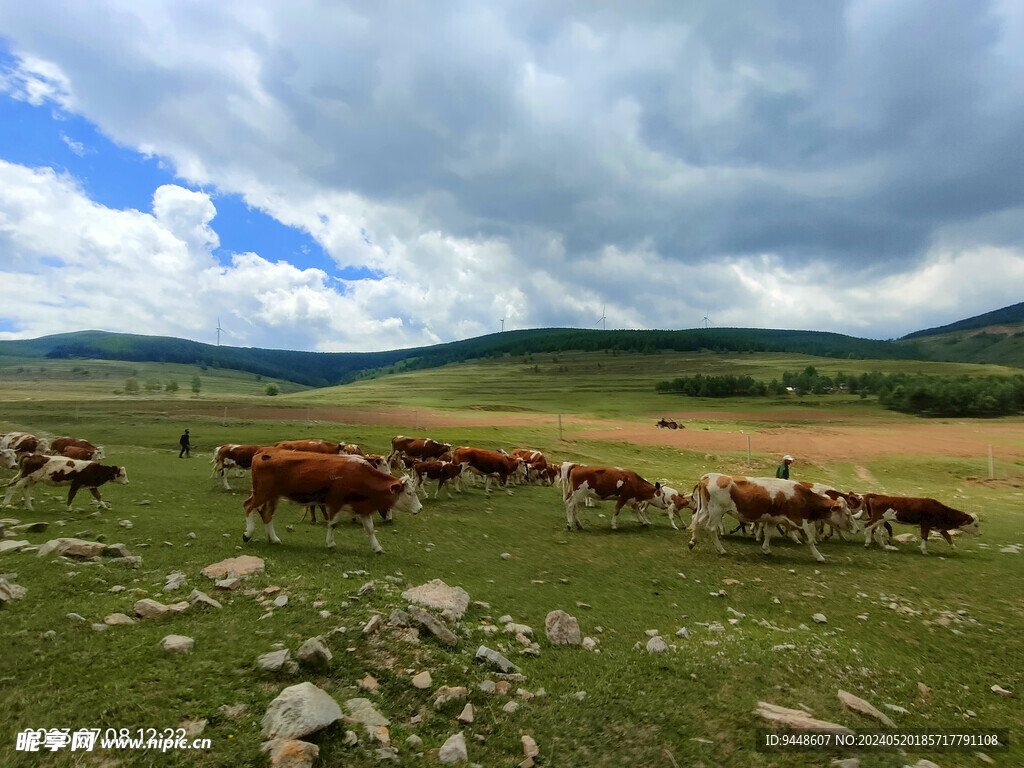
929 514
442 471
540 471
56 470
334 481
8 458
418 448
490 464
677 502
581 482
86 450
232 456
23 442
312 445
768 500
853 506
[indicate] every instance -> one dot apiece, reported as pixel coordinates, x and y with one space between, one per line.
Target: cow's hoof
691 544
379 551
246 539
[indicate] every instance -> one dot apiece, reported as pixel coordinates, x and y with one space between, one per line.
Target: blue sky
370 177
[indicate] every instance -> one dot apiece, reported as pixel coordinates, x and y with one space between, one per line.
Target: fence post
748 450
991 465
560 426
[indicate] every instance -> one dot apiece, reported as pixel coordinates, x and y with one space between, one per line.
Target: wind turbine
603 319
706 320
503 325
219 329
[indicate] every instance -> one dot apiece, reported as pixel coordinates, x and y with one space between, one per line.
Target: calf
332 481
580 482
442 471
677 502
490 464
768 500
85 449
56 470
539 469
232 456
929 514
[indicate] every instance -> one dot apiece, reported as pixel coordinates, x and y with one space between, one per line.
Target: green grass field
956 626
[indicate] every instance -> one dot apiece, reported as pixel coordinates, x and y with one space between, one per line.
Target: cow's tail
564 475
703 498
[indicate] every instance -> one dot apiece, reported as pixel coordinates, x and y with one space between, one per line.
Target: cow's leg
758 529
568 514
368 527
809 531
250 525
672 518
766 530
267 515
641 514
615 515
332 518
740 527
869 533
96 495
948 538
21 486
924 539
714 525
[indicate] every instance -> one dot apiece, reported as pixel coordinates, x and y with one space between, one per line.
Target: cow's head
662 496
973 527
407 500
121 476
8 458
840 517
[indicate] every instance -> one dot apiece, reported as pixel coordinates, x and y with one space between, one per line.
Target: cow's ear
657 486
396 487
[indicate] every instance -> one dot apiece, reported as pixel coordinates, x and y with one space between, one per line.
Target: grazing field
950 621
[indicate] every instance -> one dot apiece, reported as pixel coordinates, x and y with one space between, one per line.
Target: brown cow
311 446
442 471
769 500
334 481
929 514
580 482
86 449
23 442
419 448
232 456
490 464
56 470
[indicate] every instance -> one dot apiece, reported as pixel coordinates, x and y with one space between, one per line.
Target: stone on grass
299 710
450 601
227 584
466 715
423 680
291 753
485 654
193 728
376 725
69 547
433 625
118 618
233 711
369 683
116 550
277 661
589 643
195 596
414 742
562 629
796 718
858 704
151 609
75 617
177 643
9 591
38 527
530 748
1001 691
13 546
314 653
237 567
374 624
444 694
174 581
656 645
819 618
511 707
849 762
923 690
453 750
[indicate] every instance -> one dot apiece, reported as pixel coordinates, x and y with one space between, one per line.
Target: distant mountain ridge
1011 315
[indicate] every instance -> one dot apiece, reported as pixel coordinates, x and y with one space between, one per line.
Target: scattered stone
367 589
115 619
39 527
233 711
849 762
374 624
451 601
116 589
398 618
195 596
369 683
237 567
423 680
126 524
71 548
314 653
175 581
291 753
277 661
483 653
10 592
100 627
858 704
350 739
281 601
228 583
433 625
10 545
415 742
530 748
984 758
652 632
656 645
580 695
466 715
922 763
193 728
923 690
1001 691
135 561
796 718
151 609
683 632
177 643
784 647
75 617
506 556
453 750
362 711
511 707
511 628
299 710
819 618
562 629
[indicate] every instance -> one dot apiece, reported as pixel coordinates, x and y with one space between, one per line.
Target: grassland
956 626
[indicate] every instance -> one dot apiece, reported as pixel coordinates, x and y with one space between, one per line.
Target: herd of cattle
333 477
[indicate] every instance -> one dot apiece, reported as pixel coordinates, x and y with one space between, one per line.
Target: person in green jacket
783 470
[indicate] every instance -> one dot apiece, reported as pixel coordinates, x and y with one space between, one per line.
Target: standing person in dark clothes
186 445
783 471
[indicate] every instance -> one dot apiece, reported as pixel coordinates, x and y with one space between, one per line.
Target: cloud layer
815 165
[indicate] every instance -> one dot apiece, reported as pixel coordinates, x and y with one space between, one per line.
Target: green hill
1012 315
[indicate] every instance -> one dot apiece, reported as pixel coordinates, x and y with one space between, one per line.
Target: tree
271 390
152 385
131 386
197 385
171 386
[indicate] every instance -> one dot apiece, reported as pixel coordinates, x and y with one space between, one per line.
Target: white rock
819 618
796 718
174 581
511 707
177 643
237 567
314 653
115 619
299 710
453 750
451 601
589 643
858 704
423 680
276 661
530 748
10 545
467 713
1001 691
656 645
204 599
281 601
362 711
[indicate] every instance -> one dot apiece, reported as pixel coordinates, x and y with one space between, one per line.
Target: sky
356 176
